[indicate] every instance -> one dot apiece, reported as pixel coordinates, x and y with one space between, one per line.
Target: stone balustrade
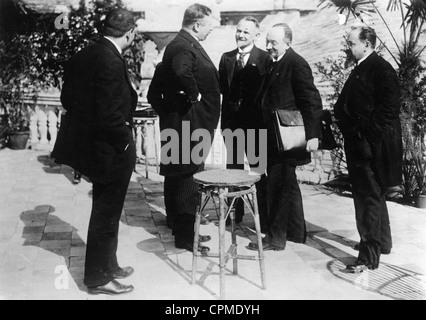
45 118
45 121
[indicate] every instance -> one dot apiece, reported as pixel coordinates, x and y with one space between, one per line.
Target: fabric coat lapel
230 66
273 73
254 57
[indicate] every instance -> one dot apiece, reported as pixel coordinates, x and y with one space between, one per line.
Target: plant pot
421 201
18 140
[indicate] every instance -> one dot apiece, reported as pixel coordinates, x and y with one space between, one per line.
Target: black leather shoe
266 247
111 288
123 273
190 247
204 238
359 267
385 251
382 250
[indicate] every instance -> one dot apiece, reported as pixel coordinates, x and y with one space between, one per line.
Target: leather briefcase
289 130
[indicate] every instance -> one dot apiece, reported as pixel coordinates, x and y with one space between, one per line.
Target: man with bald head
288 85
241 71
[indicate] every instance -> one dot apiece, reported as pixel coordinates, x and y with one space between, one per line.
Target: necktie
240 61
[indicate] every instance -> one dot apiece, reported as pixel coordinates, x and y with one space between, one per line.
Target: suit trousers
285 220
371 212
182 199
237 163
107 206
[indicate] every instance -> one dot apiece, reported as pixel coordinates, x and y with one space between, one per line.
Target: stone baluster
52 125
34 127
42 126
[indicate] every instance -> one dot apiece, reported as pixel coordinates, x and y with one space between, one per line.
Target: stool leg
222 226
156 147
196 244
145 147
234 239
259 239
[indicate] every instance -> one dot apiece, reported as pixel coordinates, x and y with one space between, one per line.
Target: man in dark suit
289 84
189 82
96 139
368 116
241 72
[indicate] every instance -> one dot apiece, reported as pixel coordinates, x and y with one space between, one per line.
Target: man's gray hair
288 33
251 19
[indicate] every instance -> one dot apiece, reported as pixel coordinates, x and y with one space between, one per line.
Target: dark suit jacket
188 72
250 79
100 101
290 85
369 105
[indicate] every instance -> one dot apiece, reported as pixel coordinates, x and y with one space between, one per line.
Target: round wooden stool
228 186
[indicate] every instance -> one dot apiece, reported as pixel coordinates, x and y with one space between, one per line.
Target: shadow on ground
390 281
50 166
48 232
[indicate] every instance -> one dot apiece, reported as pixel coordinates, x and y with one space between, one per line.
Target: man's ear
196 27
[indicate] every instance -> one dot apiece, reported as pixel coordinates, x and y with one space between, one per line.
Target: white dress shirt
246 51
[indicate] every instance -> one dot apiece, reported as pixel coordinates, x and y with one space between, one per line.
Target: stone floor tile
77 261
300 272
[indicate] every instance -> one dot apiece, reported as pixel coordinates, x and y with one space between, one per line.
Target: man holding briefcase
288 85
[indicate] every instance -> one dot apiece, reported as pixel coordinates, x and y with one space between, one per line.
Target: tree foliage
34 52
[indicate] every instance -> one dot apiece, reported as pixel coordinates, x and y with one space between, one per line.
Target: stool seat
228 186
226 178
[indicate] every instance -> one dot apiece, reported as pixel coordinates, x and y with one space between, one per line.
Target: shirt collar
118 48
246 50
363 59
194 36
279 58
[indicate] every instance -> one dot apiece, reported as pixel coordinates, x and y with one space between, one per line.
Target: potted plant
17 119
408 57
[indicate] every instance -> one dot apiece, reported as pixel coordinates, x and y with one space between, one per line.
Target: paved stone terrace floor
43 229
